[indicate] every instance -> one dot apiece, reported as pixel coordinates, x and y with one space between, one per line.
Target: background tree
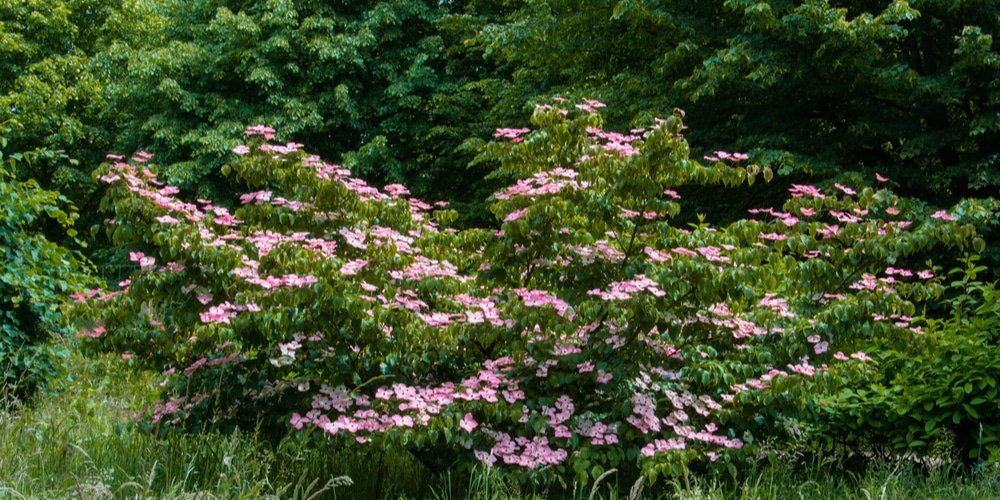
386 84
814 88
48 89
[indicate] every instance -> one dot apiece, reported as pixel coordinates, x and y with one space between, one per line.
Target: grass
76 443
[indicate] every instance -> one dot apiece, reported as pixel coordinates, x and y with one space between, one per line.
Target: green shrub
938 385
36 277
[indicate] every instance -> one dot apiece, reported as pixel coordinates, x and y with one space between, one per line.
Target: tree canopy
817 87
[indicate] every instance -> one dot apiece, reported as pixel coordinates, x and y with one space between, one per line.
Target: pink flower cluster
599 250
720 315
539 298
423 267
176 406
624 290
146 263
267 132
623 145
590 105
414 406
799 190
661 445
943 215
644 414
872 283
257 197
221 313
787 219
544 183
521 451
513 134
722 155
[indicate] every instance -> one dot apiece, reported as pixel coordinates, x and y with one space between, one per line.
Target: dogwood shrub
590 329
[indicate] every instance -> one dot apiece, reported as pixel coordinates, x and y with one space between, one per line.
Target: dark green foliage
405 91
939 386
385 84
36 276
907 89
48 87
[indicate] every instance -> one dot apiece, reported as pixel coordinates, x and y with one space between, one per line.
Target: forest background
410 92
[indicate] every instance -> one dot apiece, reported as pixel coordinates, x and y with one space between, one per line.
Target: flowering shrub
587 331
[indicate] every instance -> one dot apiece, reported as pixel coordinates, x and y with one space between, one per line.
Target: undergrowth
76 442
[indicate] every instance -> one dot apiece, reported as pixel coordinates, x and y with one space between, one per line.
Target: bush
36 277
940 385
588 332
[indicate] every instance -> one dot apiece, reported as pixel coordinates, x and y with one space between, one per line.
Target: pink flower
943 215
828 231
799 190
166 219
860 356
267 132
841 356
468 423
846 189
396 190
656 255
821 347
773 236
81 296
517 214
879 177
514 134
259 196
485 457
352 267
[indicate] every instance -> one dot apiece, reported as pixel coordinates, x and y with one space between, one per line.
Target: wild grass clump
79 443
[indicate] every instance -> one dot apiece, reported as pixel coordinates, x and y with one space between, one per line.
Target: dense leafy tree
813 88
386 83
47 88
908 89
